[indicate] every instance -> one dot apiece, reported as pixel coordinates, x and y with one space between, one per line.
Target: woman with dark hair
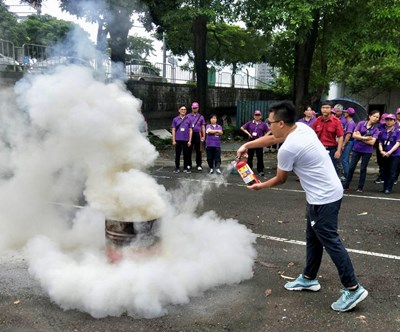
389 142
365 135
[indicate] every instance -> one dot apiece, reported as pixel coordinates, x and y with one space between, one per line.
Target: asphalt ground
369 227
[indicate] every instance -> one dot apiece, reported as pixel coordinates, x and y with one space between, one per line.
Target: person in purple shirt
254 129
308 118
182 139
199 134
348 141
389 142
365 135
381 127
213 144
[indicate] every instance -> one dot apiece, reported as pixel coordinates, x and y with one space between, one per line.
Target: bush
160 143
232 133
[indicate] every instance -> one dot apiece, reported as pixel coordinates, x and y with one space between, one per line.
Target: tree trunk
323 60
101 45
200 40
304 52
233 75
118 25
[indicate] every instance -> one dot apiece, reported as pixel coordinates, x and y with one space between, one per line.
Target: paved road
369 227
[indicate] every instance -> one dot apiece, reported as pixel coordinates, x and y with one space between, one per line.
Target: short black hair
284 111
326 102
212 116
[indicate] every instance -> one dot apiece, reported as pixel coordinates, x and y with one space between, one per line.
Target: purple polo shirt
256 130
308 123
182 127
349 128
388 139
197 121
213 140
360 146
343 120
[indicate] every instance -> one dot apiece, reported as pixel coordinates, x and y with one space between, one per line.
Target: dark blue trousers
322 225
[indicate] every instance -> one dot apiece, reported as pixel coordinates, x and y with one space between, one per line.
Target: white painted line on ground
302 243
209 180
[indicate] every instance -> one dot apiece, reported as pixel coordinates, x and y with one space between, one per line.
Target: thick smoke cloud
67 139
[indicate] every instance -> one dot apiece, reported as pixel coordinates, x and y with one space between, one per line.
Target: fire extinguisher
246 173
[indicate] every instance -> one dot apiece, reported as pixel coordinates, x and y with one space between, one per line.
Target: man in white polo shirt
302 153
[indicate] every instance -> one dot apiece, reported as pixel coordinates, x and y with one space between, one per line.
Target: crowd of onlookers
346 142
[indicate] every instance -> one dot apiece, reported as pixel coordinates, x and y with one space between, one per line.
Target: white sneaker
199 168
211 171
219 171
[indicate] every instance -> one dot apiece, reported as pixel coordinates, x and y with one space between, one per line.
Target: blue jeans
322 225
355 157
345 158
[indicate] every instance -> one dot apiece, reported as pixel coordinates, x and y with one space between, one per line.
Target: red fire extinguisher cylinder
246 173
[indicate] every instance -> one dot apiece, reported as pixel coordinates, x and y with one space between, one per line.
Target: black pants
214 157
260 158
390 165
322 225
179 147
196 145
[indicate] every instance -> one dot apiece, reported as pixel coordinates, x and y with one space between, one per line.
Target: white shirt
303 153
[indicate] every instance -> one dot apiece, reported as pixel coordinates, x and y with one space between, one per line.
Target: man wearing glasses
254 129
302 153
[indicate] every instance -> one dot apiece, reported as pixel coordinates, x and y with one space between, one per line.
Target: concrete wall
161 100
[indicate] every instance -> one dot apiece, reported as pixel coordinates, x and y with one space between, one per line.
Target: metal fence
245 110
32 57
7 56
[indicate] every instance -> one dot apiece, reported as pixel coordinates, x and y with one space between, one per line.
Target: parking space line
302 243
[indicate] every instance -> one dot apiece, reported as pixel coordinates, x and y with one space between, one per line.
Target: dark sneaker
261 174
302 283
349 299
176 170
378 180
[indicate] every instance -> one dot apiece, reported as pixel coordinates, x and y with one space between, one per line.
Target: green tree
9 28
112 16
370 49
316 42
171 16
46 30
231 45
139 48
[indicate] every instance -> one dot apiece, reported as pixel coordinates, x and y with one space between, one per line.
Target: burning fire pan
122 236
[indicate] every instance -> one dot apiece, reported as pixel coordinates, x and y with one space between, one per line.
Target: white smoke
67 138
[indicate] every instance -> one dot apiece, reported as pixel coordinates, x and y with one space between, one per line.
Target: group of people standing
189 131
347 143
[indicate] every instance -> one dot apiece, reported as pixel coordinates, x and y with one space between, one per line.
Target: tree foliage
189 20
316 42
139 48
35 29
46 30
9 27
